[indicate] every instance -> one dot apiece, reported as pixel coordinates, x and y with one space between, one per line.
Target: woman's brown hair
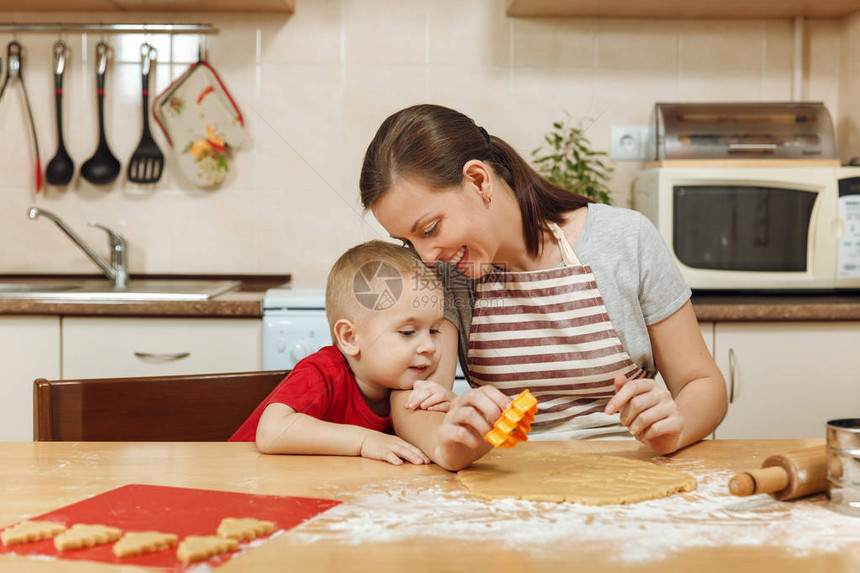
432 143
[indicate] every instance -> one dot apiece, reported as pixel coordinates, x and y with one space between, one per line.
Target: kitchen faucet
117 271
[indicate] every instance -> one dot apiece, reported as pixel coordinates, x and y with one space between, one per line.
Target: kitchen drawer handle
734 377
162 357
752 146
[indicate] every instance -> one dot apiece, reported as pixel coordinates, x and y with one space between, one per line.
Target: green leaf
567 159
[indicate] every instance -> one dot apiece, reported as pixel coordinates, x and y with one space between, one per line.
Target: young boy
384 308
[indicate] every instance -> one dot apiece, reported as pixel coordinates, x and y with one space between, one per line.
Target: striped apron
548 331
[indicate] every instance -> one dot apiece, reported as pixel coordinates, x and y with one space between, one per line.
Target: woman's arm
453 440
690 372
696 400
456 439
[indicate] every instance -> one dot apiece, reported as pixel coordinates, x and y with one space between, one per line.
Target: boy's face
401 344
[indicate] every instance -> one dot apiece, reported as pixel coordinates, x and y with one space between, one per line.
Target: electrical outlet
628 143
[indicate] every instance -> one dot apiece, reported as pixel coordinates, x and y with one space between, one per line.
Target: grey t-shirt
634 271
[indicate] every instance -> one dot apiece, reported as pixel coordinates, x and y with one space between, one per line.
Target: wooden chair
190 408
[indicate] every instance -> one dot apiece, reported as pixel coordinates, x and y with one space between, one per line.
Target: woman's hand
471 416
428 395
649 412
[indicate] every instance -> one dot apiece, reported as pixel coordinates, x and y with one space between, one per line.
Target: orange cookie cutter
515 422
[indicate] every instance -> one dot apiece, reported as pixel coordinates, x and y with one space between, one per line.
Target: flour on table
650 530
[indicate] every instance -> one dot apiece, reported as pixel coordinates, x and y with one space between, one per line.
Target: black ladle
61 168
102 167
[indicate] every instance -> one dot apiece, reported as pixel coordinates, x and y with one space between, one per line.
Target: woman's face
451 225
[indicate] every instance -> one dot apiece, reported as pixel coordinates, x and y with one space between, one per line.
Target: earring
486 195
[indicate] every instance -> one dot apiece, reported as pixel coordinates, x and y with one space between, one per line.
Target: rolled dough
590 479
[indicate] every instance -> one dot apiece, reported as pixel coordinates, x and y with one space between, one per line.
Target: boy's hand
649 412
391 449
428 395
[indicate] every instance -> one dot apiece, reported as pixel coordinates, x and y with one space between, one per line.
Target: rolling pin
785 476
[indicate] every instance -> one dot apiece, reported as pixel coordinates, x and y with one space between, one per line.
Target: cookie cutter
515 422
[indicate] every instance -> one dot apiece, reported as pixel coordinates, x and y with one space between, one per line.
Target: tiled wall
848 125
314 87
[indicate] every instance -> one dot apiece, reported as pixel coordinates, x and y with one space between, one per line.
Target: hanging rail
113 28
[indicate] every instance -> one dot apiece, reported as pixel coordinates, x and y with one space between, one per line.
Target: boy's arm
282 430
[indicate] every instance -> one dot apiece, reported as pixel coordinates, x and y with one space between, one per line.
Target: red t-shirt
323 386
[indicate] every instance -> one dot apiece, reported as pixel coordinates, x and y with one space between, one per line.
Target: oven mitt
201 122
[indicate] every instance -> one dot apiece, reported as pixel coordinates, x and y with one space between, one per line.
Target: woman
581 303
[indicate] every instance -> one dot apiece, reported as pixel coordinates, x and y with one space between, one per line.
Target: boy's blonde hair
340 292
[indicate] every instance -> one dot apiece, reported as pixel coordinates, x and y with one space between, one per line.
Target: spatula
147 163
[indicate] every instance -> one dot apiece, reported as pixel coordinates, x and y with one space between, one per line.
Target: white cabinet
96 347
29 349
786 379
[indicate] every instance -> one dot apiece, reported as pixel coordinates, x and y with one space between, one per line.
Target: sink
99 290
18 288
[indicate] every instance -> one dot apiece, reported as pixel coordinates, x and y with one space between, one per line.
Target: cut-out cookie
28 531
138 542
81 535
243 529
197 547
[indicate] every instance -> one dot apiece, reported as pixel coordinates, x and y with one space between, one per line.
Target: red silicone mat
176 510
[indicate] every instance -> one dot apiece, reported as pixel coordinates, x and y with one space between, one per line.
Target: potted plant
566 159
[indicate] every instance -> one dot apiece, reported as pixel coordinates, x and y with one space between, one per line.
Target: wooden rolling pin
785 476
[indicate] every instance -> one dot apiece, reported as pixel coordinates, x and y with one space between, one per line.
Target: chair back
189 408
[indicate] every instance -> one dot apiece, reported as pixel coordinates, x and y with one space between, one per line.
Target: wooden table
418 518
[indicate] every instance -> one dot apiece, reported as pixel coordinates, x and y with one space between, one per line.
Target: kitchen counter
418 518
235 304
730 307
246 302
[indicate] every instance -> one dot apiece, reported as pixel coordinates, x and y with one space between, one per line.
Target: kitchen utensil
14 70
515 422
201 121
785 476
147 162
843 465
102 167
182 511
61 168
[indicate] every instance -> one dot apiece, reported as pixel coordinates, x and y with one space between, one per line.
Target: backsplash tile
627 44
468 34
553 42
312 35
706 85
779 44
313 87
385 31
731 45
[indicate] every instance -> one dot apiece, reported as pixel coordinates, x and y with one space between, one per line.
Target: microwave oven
757 228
